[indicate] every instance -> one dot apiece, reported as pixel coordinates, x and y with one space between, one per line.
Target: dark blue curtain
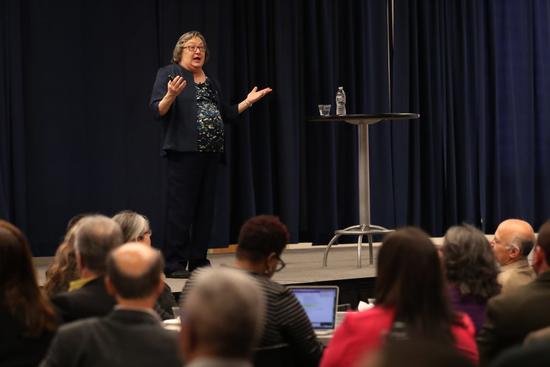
477 72
77 136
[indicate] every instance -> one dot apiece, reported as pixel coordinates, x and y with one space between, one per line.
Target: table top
368 118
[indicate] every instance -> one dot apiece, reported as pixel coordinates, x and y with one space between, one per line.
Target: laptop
320 304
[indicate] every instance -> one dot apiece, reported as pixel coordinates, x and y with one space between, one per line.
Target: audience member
97 235
411 304
535 355
416 353
135 228
471 271
131 334
222 319
63 270
512 243
262 240
513 315
27 319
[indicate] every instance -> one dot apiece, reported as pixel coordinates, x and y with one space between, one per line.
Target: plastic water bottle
340 102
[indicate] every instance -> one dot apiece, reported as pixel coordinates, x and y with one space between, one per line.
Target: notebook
320 303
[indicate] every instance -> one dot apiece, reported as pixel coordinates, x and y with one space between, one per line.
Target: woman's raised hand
255 95
176 85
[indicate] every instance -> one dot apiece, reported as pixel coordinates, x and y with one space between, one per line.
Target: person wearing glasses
135 228
288 337
192 111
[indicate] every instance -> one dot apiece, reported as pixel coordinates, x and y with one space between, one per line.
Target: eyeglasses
142 236
280 265
195 48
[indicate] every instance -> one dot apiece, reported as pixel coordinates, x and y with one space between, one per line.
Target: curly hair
470 262
261 235
64 268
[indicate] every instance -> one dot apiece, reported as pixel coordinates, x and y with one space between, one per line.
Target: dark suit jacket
512 315
122 338
89 301
535 355
18 349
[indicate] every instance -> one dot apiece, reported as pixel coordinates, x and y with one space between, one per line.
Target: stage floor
303 266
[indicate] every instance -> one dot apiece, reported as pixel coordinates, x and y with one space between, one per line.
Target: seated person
411 304
27 319
511 316
63 270
131 334
135 228
222 319
262 240
512 243
471 271
96 236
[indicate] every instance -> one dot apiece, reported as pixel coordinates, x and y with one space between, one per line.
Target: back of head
19 292
470 263
260 236
224 312
135 270
410 279
96 236
132 224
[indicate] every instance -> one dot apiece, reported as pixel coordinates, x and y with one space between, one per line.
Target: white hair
225 309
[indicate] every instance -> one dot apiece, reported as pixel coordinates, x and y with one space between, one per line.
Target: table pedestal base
358 230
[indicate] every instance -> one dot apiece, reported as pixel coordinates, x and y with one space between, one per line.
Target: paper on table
364 306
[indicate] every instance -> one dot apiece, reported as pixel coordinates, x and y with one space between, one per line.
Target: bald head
135 270
514 239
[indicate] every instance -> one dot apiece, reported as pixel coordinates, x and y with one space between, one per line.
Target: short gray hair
225 309
132 224
176 57
96 236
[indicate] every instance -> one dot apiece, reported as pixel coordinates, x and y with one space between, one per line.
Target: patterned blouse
209 120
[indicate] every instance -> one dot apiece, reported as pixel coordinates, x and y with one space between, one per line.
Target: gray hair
133 225
178 49
225 311
96 236
470 262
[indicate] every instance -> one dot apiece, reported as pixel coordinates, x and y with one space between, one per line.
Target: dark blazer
18 349
122 338
535 355
512 315
89 301
179 125
165 302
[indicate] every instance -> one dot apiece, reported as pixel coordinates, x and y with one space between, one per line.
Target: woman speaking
192 112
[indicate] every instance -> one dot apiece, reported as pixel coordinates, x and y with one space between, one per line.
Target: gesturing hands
176 86
255 95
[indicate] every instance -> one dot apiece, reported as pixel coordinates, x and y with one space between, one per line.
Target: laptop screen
320 304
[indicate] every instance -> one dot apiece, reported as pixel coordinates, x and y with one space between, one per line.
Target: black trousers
191 193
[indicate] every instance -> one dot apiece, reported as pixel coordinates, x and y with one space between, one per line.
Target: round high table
366 227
